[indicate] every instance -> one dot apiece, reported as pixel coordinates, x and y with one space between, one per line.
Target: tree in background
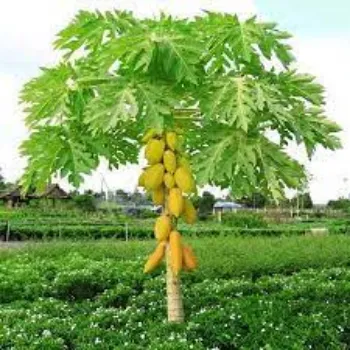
138 198
339 204
227 84
204 204
122 196
2 181
255 200
85 202
302 201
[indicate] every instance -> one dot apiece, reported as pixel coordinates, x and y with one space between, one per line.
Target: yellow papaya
162 228
169 160
154 176
184 180
189 260
156 257
184 162
175 247
171 140
158 196
189 213
141 181
154 151
169 181
175 202
180 143
151 133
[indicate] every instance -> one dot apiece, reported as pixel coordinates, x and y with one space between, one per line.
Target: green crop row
19 231
249 293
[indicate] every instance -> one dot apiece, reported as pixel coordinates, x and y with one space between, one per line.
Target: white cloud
12 130
328 59
27 28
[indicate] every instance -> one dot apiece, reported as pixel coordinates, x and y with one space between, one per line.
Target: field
33 224
249 293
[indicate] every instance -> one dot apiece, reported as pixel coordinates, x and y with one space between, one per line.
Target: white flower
46 333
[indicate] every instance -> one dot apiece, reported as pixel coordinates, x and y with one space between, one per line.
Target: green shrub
78 286
85 202
244 219
117 297
93 295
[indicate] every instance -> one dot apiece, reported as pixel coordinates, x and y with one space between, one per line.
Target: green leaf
158 50
114 105
233 43
246 163
301 86
91 30
313 129
272 42
49 150
45 97
230 100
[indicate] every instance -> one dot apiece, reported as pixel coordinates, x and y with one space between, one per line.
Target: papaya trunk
175 304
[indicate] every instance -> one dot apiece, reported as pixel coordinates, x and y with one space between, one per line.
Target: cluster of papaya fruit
169 179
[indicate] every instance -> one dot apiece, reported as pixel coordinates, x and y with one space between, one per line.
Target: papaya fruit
141 181
175 247
171 140
184 180
169 181
189 213
151 133
175 202
162 228
189 260
158 196
156 257
154 177
184 162
154 151
169 160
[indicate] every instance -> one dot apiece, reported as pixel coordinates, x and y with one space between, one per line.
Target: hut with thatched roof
15 198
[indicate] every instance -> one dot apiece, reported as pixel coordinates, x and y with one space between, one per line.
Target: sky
321 45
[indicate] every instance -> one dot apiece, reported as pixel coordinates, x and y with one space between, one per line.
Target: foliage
204 204
86 202
302 201
120 75
2 182
289 293
75 224
341 203
244 219
255 200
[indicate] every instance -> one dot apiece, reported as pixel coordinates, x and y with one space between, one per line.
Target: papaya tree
220 95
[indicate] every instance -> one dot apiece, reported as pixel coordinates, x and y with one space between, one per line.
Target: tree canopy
204 203
2 181
228 84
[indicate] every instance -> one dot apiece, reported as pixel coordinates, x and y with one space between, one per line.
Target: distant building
136 210
224 207
15 198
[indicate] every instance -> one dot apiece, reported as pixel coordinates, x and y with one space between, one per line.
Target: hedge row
88 296
37 232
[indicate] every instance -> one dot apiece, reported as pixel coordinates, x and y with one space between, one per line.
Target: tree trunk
175 304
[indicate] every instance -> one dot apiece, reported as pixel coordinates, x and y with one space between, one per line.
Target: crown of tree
226 83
